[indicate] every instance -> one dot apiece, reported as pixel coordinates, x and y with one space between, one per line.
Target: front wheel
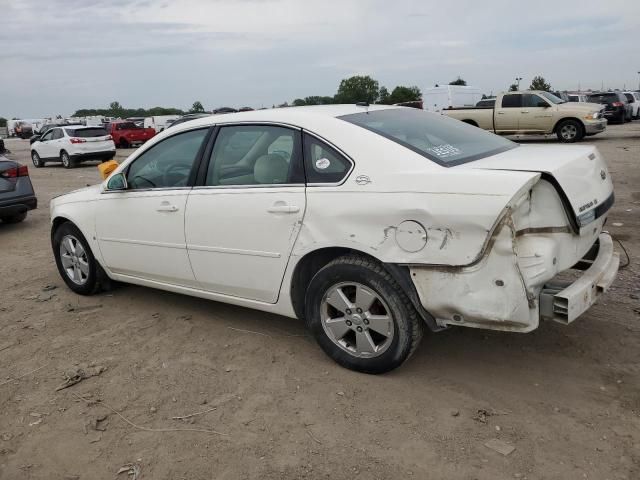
570 131
74 259
361 317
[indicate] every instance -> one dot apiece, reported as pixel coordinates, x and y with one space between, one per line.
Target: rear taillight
617 104
77 140
19 171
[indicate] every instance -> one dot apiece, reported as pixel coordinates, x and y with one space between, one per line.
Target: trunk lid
580 171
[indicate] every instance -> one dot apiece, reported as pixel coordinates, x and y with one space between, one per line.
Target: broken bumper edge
564 303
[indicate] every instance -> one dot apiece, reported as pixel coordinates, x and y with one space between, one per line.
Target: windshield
551 97
444 140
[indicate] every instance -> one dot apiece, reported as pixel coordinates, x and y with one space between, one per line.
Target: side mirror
117 182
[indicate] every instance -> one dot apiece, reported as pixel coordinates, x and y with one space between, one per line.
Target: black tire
96 277
408 327
623 118
570 131
66 160
470 122
17 218
123 143
35 158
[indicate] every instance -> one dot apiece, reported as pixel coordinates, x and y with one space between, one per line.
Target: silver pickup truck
535 112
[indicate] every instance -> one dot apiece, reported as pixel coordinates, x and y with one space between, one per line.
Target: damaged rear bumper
564 302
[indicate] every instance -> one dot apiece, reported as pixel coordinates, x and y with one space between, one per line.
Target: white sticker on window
322 163
444 150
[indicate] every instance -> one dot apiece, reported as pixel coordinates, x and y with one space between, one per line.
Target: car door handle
167 207
500 113
280 207
524 111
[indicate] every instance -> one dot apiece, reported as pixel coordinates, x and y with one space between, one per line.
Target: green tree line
117 110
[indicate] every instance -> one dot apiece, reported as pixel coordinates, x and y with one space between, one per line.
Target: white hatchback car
368 222
72 144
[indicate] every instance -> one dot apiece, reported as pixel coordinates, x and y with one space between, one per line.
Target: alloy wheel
357 320
74 260
568 132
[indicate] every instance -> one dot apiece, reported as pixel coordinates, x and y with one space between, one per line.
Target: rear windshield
127 126
86 132
444 140
604 97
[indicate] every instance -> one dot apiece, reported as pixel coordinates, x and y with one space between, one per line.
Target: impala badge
363 180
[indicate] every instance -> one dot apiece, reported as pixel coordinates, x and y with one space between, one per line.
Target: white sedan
370 223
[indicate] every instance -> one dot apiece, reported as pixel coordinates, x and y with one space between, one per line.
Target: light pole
520 78
638 80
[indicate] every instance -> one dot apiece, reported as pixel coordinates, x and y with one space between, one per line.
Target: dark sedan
16 192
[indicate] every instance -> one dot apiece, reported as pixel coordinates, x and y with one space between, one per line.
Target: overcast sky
60 55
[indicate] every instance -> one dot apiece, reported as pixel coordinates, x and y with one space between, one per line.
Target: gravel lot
567 398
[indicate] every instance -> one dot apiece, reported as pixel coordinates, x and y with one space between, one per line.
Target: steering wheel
282 153
169 182
145 179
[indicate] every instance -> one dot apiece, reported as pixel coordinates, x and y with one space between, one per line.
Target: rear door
243 219
507 114
536 114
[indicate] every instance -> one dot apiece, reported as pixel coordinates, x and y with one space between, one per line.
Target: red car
127 134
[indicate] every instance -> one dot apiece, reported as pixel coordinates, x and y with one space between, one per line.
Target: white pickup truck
535 112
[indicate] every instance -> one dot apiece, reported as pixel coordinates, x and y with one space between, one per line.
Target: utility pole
638 80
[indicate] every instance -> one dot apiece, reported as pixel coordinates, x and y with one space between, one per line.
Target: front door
537 114
141 230
242 222
507 114
45 146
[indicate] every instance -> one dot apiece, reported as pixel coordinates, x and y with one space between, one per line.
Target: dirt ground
566 397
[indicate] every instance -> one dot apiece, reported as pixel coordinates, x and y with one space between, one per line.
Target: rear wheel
37 161
570 131
124 143
66 160
360 316
17 218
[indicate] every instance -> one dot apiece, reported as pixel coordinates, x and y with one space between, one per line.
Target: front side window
323 164
167 164
441 139
512 101
255 155
533 101
47 136
57 133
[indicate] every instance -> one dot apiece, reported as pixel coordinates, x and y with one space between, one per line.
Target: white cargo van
438 98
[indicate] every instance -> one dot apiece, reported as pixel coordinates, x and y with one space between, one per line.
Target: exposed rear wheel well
471 122
312 262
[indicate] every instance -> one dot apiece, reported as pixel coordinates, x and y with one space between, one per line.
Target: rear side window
57 133
246 155
512 101
630 97
86 132
322 163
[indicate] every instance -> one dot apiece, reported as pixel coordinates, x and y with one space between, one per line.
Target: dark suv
616 105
